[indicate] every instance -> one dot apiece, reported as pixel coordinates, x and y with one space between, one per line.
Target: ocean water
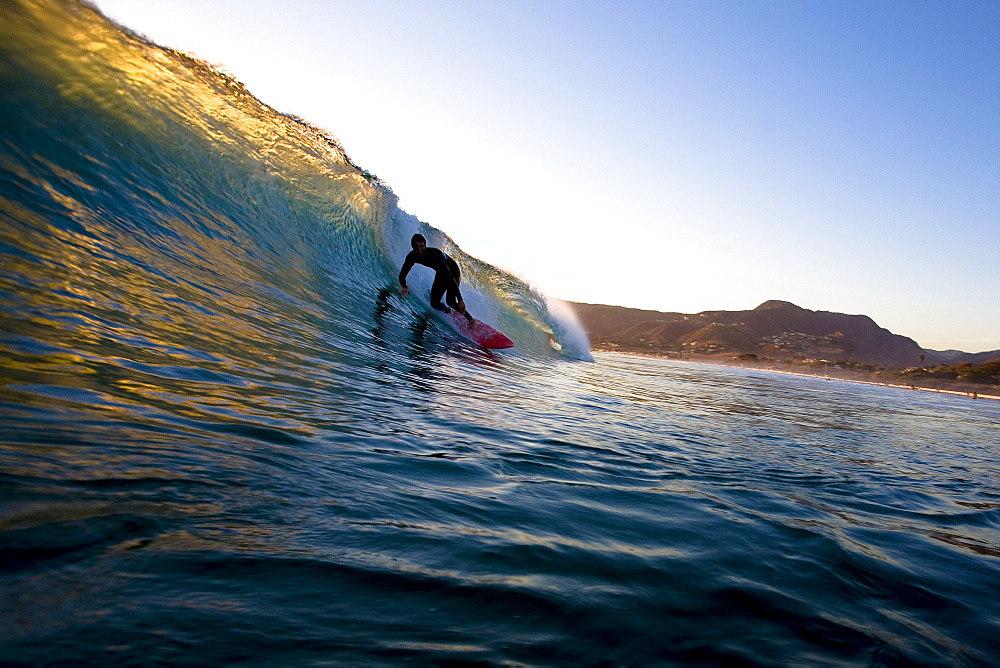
225 439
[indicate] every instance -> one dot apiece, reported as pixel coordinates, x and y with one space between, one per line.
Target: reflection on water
629 510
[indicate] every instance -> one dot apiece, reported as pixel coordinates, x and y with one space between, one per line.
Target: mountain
775 329
959 357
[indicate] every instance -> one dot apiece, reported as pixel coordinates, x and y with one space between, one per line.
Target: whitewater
225 437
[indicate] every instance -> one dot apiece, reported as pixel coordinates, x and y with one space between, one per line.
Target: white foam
569 331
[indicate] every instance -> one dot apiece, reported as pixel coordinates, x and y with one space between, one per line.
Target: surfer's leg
452 295
437 289
452 298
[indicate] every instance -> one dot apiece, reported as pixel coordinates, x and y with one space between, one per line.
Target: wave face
174 204
224 439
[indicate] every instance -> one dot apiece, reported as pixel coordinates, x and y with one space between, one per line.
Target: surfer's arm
407 265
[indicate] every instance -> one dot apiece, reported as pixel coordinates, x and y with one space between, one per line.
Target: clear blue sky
677 156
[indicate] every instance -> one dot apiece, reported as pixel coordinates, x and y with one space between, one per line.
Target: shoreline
970 393
913 388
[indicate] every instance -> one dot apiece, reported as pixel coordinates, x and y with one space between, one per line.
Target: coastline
915 388
956 390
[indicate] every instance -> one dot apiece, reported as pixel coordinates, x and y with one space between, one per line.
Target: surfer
446 276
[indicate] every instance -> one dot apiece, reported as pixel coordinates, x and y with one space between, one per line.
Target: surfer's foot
472 321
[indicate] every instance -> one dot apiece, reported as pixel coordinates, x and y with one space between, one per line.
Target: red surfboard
480 333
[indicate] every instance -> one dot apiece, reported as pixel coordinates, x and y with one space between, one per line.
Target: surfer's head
418 243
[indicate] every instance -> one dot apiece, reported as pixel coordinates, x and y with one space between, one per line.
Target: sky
675 155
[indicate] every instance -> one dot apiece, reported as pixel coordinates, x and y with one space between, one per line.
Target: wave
151 203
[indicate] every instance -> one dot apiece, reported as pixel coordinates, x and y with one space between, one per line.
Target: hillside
776 330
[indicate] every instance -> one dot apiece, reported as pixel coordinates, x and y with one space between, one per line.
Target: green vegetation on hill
986 374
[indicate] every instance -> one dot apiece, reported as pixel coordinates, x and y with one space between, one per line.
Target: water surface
224 437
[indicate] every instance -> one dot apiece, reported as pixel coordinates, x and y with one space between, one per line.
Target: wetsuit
446 276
